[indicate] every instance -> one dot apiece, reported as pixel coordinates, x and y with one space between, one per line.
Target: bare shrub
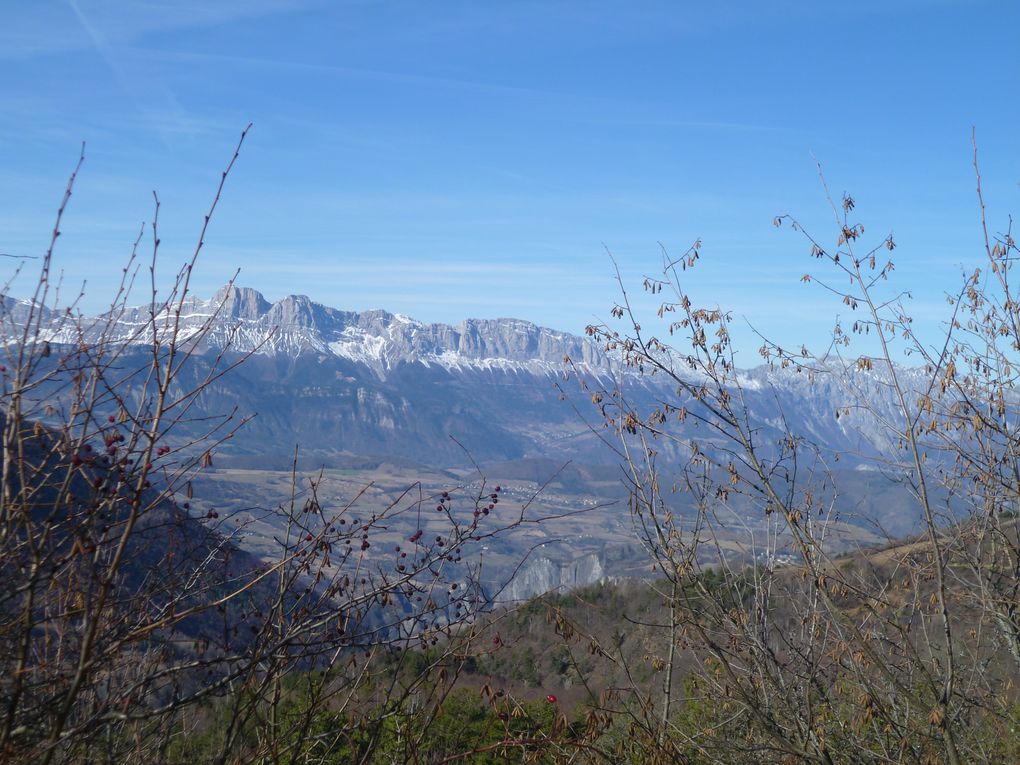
133 631
907 654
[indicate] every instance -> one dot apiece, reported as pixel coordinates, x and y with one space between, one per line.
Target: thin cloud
601 105
379 75
170 118
41 28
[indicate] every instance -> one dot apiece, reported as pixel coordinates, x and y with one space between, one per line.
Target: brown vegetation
132 631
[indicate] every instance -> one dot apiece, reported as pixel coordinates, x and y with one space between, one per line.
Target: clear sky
455 159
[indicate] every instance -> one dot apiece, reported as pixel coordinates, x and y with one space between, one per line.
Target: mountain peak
241 302
241 319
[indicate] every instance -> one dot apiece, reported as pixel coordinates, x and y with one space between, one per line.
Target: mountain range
346 387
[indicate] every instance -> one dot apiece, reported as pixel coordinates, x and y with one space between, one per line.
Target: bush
132 631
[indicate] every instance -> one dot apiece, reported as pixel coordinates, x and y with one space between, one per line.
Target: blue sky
451 159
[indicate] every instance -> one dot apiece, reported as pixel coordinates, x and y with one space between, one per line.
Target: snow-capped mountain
241 320
383 384
346 386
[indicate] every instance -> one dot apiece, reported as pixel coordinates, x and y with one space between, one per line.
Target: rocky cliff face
541 575
243 321
241 303
379 383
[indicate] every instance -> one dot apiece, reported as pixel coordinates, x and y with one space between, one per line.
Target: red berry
551 699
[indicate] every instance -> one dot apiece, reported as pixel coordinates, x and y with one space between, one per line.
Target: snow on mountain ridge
330 377
242 320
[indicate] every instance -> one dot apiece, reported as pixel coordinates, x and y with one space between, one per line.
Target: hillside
582 675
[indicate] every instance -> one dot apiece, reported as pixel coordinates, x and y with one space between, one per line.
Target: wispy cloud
602 108
169 116
43 27
378 75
